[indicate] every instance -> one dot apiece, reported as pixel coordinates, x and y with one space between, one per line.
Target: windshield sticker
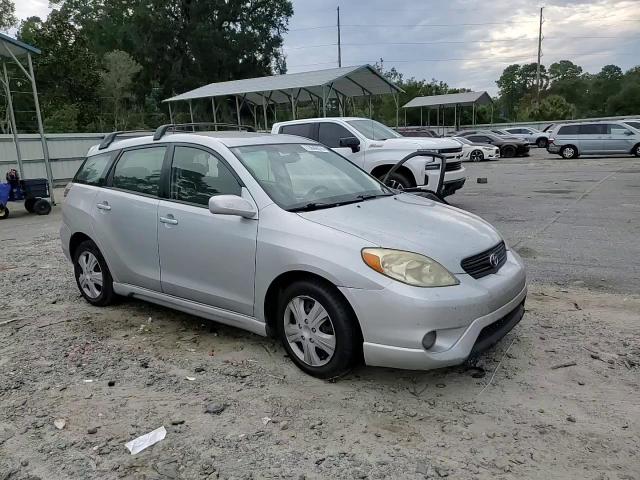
314 148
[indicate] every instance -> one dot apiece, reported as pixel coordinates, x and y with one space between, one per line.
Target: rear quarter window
93 169
300 129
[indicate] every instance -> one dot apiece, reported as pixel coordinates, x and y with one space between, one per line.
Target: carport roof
354 81
451 99
16 47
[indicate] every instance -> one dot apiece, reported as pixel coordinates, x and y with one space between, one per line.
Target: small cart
34 192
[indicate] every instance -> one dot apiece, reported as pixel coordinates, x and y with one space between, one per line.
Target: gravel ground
235 407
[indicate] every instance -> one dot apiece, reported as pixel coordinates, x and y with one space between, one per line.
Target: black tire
42 207
4 213
476 156
636 150
568 152
542 142
508 151
29 203
106 294
341 319
397 180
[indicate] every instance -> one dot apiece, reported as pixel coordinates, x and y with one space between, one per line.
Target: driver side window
330 134
197 175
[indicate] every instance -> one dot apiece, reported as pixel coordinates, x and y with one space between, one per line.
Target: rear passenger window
92 171
615 129
139 170
330 134
592 129
568 130
197 175
300 129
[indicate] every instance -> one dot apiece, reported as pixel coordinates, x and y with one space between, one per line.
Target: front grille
451 166
450 150
486 262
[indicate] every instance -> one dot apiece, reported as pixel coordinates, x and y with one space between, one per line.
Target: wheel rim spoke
90 278
309 331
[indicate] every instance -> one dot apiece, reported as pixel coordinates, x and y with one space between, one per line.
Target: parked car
477 152
500 133
594 138
633 123
509 147
530 135
281 236
375 148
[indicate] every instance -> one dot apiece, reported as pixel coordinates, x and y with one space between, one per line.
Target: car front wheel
397 181
542 142
476 156
92 275
317 329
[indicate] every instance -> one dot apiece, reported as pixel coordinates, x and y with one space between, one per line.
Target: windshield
635 125
308 177
373 130
463 140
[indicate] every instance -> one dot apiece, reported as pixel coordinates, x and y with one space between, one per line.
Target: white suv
375 148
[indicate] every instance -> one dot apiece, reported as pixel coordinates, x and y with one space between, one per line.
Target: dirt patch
235 407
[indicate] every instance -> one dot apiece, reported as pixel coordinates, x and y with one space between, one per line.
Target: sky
465 43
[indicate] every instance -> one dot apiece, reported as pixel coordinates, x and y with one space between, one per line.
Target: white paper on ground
138 444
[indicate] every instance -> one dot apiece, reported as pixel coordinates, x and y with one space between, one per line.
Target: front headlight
408 267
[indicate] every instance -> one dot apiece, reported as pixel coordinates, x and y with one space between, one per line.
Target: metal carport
455 100
11 51
316 86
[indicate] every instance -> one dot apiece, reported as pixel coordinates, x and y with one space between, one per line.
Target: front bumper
553 148
395 320
449 188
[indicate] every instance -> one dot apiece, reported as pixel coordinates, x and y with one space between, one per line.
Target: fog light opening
429 340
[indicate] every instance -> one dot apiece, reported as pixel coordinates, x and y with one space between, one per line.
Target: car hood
415 143
408 222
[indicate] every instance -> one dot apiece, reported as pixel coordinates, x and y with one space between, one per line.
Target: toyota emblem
494 260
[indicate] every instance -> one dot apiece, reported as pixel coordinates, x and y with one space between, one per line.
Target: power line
370 25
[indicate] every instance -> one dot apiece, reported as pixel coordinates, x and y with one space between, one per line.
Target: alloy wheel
309 331
90 278
477 156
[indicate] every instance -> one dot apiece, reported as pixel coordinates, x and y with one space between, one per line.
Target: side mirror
350 142
231 205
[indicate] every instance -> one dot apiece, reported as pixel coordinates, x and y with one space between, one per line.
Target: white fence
66 150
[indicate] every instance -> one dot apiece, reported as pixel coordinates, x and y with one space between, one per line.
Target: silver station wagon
281 236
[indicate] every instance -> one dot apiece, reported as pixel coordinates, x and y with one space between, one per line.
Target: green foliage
7 15
569 93
62 120
178 45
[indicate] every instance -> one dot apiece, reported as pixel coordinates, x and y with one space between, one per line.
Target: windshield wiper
374 195
314 206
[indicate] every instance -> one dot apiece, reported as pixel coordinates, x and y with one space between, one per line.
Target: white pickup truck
375 148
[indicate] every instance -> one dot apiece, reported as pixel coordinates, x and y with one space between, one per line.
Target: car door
618 138
125 217
330 133
204 257
591 138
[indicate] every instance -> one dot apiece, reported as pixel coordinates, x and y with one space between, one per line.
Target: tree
116 82
67 70
568 81
564 70
518 81
553 107
7 15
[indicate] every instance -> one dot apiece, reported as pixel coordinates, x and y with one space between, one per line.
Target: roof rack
109 138
162 130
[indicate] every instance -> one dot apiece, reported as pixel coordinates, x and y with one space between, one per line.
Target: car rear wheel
476 156
569 151
317 329
4 212
542 142
397 180
636 150
92 275
508 151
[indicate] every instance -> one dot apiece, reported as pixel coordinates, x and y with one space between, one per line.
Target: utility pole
539 57
339 46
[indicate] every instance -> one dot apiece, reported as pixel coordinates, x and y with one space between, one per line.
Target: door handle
104 206
168 220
